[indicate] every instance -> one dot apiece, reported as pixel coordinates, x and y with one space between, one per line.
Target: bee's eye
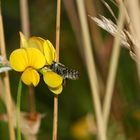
56 64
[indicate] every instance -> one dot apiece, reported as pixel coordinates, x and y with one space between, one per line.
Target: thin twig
91 70
26 30
55 114
97 40
73 17
113 67
55 118
134 14
29 125
5 79
24 17
18 110
109 9
57 43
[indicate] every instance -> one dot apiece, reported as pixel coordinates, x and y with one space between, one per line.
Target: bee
63 71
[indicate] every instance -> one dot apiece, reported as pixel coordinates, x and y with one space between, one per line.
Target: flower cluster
31 58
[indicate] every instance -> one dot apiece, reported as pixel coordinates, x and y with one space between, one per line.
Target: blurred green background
75 103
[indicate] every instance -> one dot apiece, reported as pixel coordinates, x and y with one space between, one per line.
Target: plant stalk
18 110
91 68
5 79
24 12
134 14
113 67
55 114
24 17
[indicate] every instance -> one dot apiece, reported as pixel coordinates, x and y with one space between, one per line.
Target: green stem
18 110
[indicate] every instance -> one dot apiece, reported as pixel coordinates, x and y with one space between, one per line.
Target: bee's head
54 66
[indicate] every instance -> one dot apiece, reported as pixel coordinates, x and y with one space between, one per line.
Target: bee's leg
64 82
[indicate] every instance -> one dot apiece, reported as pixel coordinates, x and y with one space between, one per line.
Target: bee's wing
64 82
60 64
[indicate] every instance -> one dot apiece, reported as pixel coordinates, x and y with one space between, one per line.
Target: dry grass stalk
113 67
26 30
127 40
91 70
55 118
5 80
109 8
97 40
121 38
73 17
30 123
134 12
57 43
24 17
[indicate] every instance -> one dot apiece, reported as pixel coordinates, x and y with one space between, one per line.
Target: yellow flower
33 55
28 61
53 80
45 46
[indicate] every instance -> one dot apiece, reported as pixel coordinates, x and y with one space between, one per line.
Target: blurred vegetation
75 101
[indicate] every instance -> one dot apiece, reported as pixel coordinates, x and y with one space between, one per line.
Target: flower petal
49 52
52 49
35 58
36 42
18 60
30 76
23 41
52 79
57 90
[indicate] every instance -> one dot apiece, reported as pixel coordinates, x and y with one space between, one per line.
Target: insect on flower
63 71
37 55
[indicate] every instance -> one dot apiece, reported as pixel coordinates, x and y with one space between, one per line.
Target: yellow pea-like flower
57 90
23 41
27 60
36 42
19 60
45 46
35 58
52 79
33 55
49 52
30 76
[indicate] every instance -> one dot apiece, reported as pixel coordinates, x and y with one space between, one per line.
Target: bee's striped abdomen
71 74
63 71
